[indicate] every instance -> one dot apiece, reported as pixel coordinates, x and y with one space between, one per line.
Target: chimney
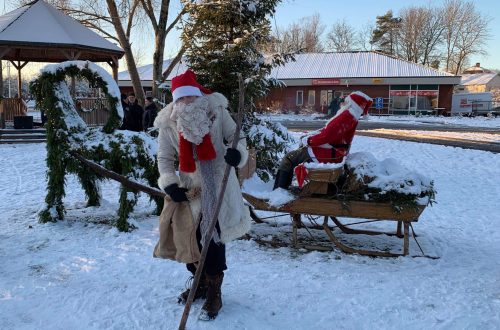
478 65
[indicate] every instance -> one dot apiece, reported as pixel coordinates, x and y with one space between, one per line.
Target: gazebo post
19 67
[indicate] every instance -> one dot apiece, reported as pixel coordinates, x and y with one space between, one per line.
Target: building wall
285 98
445 95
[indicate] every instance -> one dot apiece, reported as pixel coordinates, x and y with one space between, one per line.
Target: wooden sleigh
313 200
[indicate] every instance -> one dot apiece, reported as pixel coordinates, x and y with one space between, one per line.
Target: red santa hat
359 103
186 85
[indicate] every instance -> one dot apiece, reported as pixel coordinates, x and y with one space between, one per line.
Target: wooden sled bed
313 199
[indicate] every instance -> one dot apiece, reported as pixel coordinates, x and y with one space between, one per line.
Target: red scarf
205 151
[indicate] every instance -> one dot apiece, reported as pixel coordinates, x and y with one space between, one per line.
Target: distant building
314 79
404 87
480 82
476 69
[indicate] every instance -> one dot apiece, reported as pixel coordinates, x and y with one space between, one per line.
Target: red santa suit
331 144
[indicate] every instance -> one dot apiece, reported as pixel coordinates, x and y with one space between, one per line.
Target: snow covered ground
82 274
479 121
476 136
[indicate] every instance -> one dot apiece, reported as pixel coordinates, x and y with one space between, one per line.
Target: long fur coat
234 217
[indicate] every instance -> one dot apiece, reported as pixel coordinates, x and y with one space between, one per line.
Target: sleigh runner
320 197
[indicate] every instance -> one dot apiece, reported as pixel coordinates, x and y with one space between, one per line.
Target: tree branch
148 9
131 18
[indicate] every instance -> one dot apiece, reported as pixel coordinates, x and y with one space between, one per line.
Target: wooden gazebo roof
38 32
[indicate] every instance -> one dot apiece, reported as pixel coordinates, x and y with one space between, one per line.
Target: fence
94 111
12 107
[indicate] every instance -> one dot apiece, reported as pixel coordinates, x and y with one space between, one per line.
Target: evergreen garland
123 152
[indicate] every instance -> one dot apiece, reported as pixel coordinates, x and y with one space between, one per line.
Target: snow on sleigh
362 187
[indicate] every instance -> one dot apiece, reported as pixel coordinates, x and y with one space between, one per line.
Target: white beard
193 120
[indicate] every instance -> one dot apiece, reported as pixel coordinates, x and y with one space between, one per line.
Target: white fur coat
234 217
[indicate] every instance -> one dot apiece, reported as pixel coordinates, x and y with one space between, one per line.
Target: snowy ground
485 137
79 274
479 121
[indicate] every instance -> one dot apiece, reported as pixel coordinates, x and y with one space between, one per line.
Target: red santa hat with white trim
186 85
358 103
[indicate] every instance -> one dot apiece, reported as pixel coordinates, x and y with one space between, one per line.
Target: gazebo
38 32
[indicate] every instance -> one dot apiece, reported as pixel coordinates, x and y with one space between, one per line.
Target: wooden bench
313 199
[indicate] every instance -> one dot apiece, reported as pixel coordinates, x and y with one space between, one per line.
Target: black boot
201 291
213 304
283 179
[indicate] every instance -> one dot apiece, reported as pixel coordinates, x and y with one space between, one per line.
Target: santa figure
194 129
330 144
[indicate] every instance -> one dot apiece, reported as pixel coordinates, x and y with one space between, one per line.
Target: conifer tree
223 38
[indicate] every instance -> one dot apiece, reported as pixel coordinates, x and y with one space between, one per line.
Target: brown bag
177 234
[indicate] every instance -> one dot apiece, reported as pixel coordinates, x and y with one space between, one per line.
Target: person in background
132 114
150 112
334 106
330 144
123 98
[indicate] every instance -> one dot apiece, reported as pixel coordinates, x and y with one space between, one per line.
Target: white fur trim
311 154
242 148
185 91
166 180
355 110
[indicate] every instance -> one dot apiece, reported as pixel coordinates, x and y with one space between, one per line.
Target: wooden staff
193 193
213 221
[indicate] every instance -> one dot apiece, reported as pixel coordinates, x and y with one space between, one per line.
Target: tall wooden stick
213 221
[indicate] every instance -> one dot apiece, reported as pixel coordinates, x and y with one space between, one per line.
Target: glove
232 157
176 194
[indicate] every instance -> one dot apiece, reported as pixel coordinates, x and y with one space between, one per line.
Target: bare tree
431 36
312 32
161 30
304 36
466 32
342 37
364 36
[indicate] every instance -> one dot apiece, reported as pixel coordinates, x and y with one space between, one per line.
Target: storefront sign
414 93
316 82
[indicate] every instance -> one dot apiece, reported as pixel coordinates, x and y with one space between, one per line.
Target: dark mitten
232 157
176 193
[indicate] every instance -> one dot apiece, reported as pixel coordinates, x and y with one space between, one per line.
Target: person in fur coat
194 128
330 144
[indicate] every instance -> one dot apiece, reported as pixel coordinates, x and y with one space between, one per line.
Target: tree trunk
125 43
160 35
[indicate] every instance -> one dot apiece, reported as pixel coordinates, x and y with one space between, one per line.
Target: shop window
311 98
299 99
414 97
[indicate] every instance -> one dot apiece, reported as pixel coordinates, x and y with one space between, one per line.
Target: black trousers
294 158
215 263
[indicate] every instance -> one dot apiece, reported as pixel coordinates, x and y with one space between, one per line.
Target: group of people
135 118
195 130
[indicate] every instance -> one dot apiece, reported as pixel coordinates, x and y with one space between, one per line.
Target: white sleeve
166 160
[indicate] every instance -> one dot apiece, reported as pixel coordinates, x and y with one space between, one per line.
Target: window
311 98
411 98
299 99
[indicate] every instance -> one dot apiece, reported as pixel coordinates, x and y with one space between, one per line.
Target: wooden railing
12 107
94 111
